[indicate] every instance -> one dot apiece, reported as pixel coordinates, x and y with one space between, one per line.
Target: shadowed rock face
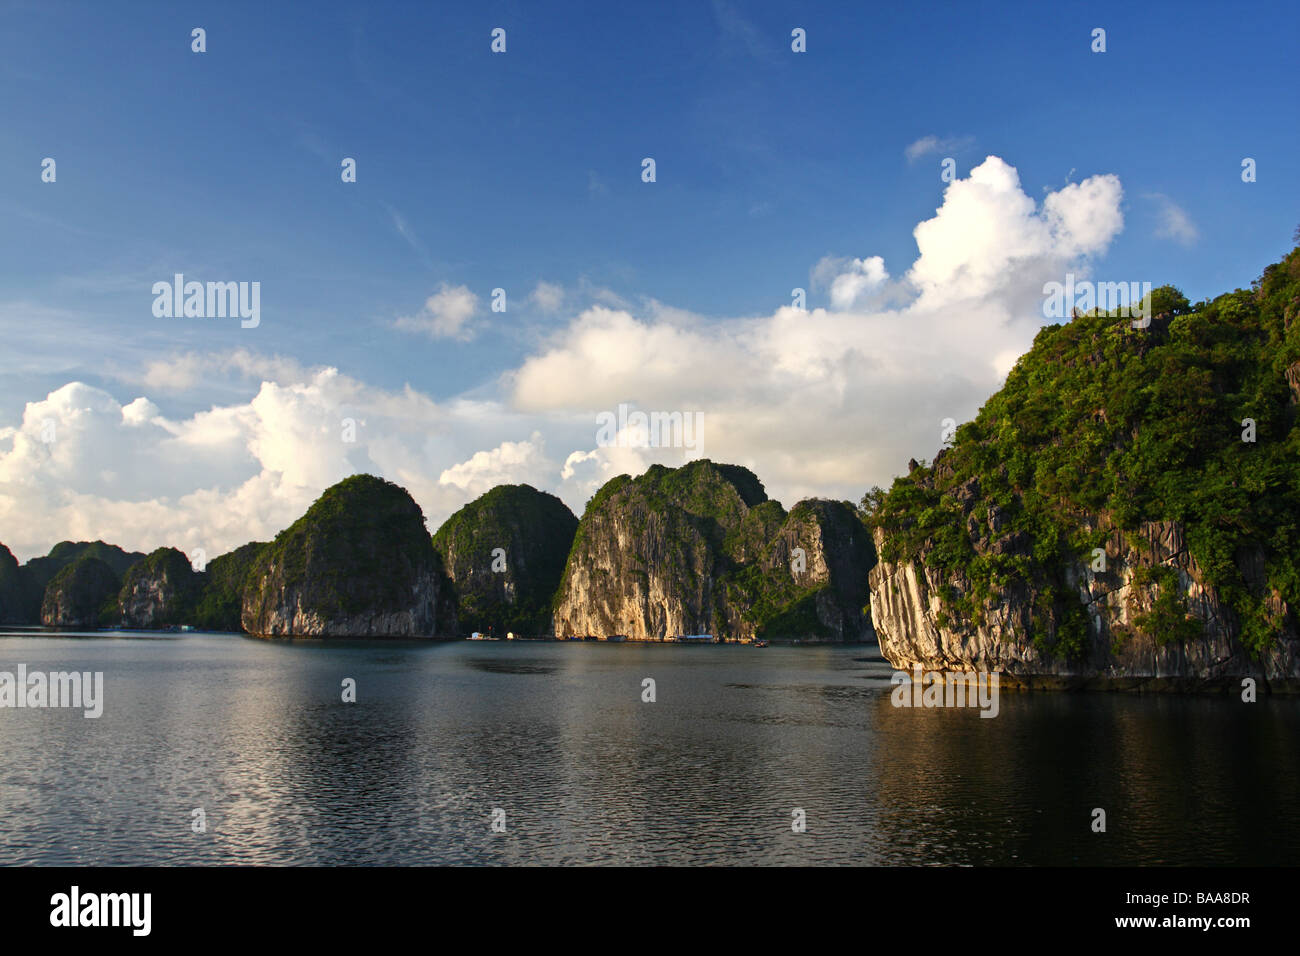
505 552
701 549
220 604
837 556
13 595
160 591
83 594
359 563
65 552
37 573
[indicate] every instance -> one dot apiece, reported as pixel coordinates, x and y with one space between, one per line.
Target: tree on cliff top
1100 418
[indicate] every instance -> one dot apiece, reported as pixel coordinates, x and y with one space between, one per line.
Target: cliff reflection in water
1183 780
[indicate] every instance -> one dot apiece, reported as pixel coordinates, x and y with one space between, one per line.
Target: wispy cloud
185 371
739 31
927 145
46 220
1173 221
406 232
548 296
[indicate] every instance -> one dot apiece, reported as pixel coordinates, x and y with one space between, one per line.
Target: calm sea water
557 736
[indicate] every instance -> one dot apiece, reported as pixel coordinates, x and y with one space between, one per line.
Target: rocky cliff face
359 563
505 553
831 572
83 594
1151 623
221 598
700 549
1122 514
13 597
160 591
37 573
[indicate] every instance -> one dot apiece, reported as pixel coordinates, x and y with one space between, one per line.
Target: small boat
760 643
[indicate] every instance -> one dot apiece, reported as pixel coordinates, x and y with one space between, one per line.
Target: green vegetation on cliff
13 595
1101 423
160 591
534 531
714 498
37 573
702 548
783 604
361 548
221 600
65 552
82 594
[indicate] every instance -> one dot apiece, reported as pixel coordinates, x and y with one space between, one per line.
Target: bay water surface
556 735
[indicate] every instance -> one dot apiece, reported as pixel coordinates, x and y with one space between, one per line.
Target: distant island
1122 514
694 550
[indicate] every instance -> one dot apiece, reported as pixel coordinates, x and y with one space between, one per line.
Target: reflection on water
557 736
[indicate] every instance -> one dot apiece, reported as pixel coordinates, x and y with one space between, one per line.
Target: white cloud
819 402
832 401
1173 221
851 281
510 463
988 235
927 145
548 296
234 473
445 315
185 371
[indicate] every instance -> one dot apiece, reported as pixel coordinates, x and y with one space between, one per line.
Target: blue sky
482 170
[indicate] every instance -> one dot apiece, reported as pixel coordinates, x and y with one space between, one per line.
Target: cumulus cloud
510 463
445 315
830 401
82 465
1172 220
988 235
821 402
851 281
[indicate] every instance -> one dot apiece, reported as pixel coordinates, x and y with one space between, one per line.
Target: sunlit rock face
702 550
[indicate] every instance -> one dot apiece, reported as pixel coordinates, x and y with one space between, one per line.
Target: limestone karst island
1121 514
